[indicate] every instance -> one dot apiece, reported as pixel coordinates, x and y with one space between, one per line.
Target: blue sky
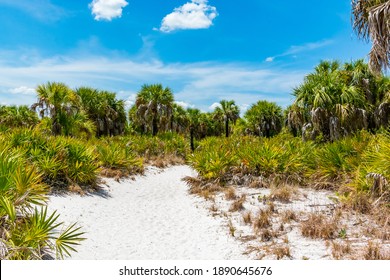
203 50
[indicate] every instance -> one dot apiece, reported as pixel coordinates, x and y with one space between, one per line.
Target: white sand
152 217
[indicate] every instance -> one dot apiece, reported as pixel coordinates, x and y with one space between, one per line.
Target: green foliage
118 157
264 119
153 109
104 110
27 234
339 100
373 173
63 107
62 160
17 116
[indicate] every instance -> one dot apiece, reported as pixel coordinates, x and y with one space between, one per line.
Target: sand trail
152 217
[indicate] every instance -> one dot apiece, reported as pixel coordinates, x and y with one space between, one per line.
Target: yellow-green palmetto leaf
67 241
8 207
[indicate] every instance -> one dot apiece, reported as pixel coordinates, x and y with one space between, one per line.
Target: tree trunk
192 139
227 127
154 126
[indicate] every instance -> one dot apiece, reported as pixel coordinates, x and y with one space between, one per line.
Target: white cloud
23 90
214 106
42 10
107 9
302 48
196 14
197 84
185 105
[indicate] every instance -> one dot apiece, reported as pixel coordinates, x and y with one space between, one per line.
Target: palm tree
228 111
63 106
264 118
102 107
154 107
371 22
194 120
179 119
338 100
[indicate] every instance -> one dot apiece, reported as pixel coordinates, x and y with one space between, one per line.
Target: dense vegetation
334 136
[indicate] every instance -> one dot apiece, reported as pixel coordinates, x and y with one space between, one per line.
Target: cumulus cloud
107 9
196 14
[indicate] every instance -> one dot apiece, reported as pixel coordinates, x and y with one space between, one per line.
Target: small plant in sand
267 235
281 251
317 225
230 193
340 249
247 217
288 215
373 252
282 193
238 204
232 229
262 220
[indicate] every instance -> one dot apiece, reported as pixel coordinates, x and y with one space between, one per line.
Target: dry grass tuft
193 182
262 221
213 208
238 204
201 188
76 189
257 184
340 249
165 160
113 173
230 194
271 207
288 216
232 229
281 251
282 193
319 226
373 252
267 235
247 217
360 202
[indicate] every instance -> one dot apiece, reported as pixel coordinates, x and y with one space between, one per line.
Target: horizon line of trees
333 101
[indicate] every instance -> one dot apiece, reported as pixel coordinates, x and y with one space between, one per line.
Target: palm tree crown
154 107
371 21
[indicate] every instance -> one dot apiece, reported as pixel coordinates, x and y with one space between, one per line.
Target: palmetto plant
371 21
117 156
63 161
154 107
25 231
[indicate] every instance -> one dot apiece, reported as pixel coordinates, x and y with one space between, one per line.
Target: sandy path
152 217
